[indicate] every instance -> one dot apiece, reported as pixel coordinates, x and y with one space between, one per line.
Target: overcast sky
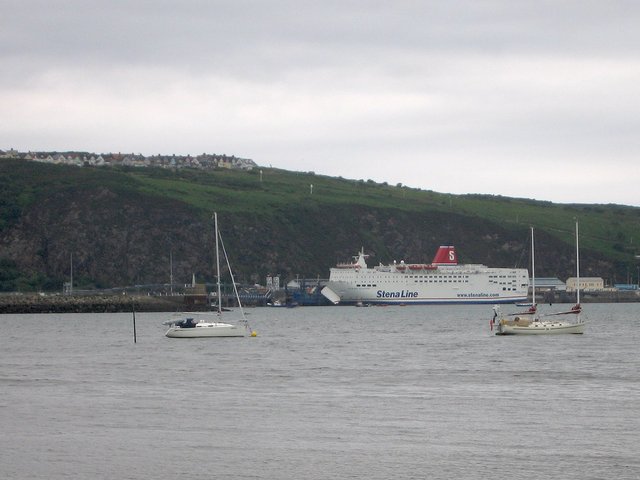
534 99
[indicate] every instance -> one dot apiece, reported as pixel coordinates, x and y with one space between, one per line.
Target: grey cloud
333 84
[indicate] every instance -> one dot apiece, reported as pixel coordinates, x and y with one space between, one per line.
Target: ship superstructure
441 281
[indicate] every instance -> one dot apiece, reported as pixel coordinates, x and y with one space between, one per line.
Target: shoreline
31 303
38 303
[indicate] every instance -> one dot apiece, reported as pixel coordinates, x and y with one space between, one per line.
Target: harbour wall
35 303
22 303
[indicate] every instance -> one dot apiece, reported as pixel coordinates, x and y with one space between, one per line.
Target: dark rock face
111 240
119 236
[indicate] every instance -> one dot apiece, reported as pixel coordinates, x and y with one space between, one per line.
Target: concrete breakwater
17 303
34 303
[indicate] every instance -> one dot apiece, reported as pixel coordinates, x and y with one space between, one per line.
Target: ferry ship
441 281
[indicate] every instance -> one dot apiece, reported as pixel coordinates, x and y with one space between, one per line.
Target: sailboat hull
207 329
541 328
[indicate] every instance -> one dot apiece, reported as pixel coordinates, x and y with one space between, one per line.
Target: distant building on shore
547 284
587 284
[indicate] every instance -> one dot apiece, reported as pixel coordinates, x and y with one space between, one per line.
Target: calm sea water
321 393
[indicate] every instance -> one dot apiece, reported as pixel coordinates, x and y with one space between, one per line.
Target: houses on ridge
204 162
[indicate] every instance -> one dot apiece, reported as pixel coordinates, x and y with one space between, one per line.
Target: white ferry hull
345 294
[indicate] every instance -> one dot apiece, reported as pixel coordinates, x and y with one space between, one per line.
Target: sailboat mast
577 267
215 217
235 287
533 271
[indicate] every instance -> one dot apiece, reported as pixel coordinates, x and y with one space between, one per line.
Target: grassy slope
612 230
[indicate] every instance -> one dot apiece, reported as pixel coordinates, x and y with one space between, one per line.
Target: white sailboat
533 323
208 324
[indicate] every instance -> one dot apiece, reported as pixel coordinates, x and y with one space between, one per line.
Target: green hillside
121 226
609 229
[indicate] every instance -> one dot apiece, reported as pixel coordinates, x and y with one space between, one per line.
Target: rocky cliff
119 232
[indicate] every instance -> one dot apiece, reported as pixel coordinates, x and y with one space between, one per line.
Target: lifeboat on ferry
348 265
401 267
416 266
